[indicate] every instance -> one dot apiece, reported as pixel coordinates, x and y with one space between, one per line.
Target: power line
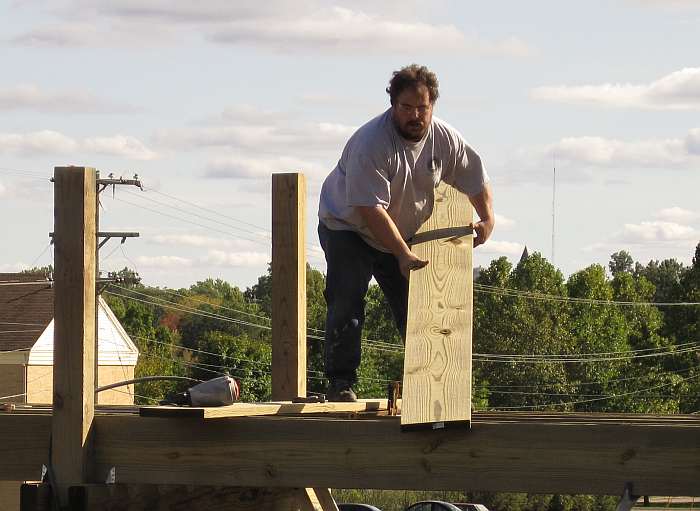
544 296
602 398
183 308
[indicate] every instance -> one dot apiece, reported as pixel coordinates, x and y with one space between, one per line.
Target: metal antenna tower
554 196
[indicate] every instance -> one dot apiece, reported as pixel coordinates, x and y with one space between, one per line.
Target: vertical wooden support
438 360
288 286
74 324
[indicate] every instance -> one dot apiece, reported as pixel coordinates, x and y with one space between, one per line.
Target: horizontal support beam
545 456
548 453
24 447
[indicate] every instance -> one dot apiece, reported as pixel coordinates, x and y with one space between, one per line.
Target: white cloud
45 141
239 167
235 259
676 214
679 90
92 34
194 240
503 222
164 262
278 25
340 29
607 152
119 145
32 97
692 141
657 231
3 189
53 142
501 247
277 135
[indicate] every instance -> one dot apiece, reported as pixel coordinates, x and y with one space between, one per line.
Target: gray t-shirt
379 167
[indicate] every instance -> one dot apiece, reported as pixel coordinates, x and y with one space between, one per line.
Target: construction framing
287 461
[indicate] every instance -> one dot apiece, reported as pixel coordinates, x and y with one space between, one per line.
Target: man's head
413 91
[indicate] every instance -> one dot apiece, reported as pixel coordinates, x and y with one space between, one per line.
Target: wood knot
445 331
627 455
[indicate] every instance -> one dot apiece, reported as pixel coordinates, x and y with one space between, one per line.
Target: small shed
26 344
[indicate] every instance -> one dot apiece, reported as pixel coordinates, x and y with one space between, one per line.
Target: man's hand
483 203
410 261
483 230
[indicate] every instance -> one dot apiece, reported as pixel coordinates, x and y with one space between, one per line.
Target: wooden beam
141 497
288 286
437 363
24 446
259 409
74 323
325 499
551 455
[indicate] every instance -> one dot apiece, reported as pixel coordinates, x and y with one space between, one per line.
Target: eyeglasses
408 109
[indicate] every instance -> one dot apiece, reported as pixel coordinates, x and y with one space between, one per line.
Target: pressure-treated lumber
547 456
288 286
325 499
437 363
75 240
139 497
24 446
258 409
507 452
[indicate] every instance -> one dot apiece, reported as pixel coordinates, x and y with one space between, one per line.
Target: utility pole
104 237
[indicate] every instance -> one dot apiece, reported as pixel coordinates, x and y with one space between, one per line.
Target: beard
413 131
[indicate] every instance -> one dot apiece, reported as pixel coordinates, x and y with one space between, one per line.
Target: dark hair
410 77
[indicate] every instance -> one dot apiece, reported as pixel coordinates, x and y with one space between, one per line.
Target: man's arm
483 203
387 234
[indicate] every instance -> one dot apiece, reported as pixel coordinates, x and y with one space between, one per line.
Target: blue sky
205 100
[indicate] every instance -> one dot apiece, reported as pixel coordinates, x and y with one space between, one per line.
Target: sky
205 100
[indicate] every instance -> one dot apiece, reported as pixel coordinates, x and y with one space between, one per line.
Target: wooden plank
288 286
74 323
24 446
257 409
317 452
437 363
142 497
325 499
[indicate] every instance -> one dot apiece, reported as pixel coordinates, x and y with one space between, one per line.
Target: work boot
340 391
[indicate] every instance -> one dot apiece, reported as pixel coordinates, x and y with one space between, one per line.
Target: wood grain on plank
437 364
288 286
530 457
75 241
257 409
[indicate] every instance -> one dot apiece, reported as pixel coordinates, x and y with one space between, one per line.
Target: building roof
26 324
26 309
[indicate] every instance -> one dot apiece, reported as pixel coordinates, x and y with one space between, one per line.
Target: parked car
357 507
438 505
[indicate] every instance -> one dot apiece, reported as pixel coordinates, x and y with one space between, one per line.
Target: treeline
624 338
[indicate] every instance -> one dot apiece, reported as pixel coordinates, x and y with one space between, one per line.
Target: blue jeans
351 264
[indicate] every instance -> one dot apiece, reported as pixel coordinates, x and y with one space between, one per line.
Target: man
376 198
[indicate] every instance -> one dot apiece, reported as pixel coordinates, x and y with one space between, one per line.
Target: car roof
365 507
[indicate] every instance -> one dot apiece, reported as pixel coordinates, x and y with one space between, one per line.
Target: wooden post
288 286
74 324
